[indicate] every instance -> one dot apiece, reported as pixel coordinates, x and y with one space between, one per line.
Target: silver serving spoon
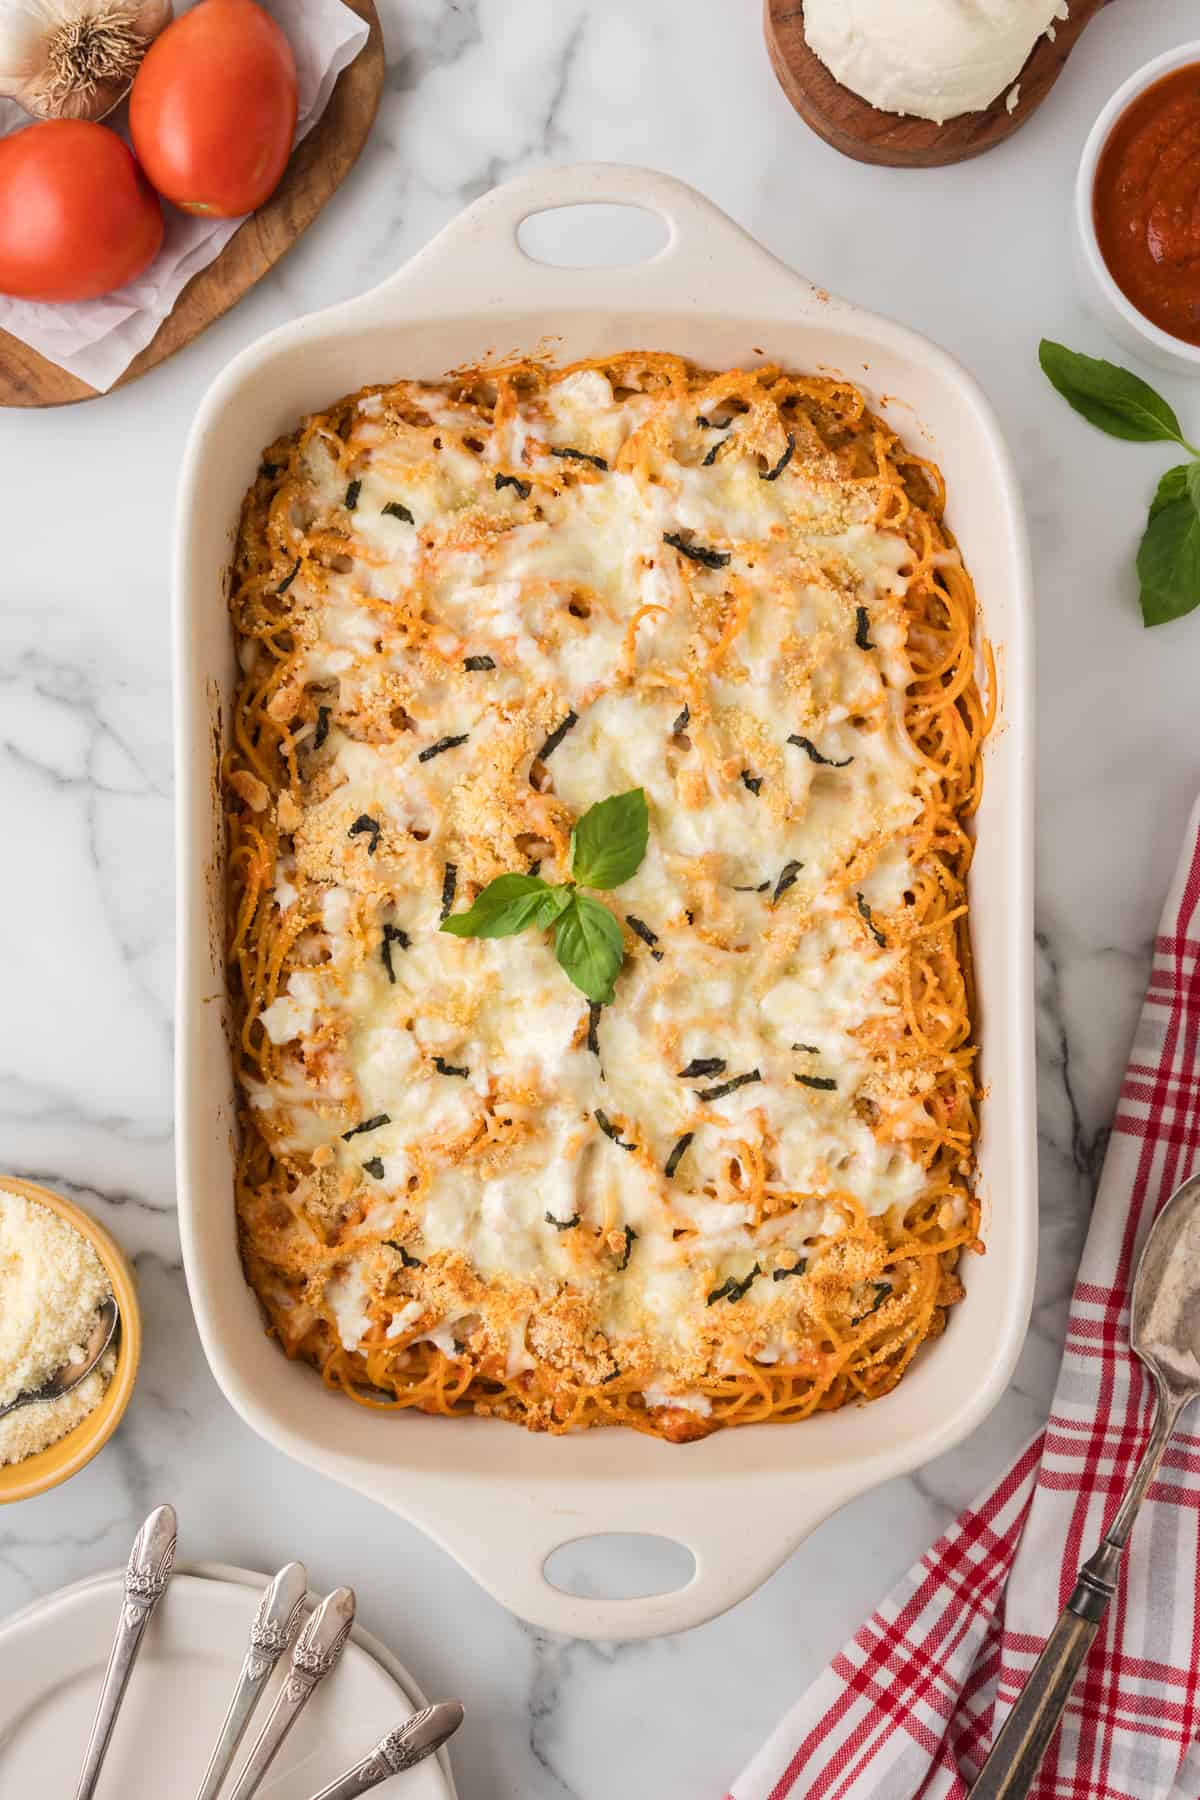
67 1378
1164 1333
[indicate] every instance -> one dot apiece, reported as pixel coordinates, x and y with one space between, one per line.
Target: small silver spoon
1164 1332
67 1378
146 1576
401 1749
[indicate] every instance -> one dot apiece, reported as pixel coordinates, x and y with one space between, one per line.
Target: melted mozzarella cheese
782 792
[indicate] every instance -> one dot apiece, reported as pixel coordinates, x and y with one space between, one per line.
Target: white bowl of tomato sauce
1137 212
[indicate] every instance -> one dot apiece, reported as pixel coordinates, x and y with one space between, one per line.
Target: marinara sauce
1147 203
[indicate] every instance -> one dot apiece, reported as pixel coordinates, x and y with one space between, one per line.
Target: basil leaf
1168 563
1192 480
507 905
1173 486
589 946
554 902
1112 398
609 841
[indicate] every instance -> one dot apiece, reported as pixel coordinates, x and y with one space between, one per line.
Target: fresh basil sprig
1125 406
607 847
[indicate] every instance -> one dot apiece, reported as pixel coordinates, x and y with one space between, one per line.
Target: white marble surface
978 257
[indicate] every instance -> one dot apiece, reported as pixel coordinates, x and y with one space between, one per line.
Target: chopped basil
882 1290
703 1065
787 878
288 579
700 553
513 481
371 1124
446 743
449 883
731 1288
781 465
678 1153
392 934
728 1087
556 737
586 456
814 755
365 822
640 928
872 927
406 1257
610 1131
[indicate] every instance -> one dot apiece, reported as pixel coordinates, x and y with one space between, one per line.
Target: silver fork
275 1625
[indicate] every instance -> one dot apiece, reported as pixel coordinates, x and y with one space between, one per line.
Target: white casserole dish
498 1498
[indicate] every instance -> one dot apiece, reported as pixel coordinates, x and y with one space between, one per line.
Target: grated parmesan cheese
51 1282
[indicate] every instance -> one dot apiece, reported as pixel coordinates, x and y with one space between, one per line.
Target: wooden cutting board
871 136
317 169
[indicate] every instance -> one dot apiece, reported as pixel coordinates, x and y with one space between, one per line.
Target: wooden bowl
37 1474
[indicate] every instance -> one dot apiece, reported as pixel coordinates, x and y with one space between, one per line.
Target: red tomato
213 108
77 216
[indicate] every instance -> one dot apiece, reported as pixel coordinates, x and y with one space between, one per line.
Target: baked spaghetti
464 613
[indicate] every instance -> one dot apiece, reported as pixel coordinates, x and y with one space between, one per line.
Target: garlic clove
74 59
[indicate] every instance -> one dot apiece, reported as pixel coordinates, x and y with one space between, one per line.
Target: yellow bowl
22 1480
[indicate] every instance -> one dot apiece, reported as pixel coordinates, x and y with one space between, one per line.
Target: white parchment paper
97 339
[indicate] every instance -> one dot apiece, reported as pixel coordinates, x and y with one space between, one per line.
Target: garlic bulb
74 59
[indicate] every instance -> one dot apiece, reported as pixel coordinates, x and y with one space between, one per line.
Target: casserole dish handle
480 253
735 1544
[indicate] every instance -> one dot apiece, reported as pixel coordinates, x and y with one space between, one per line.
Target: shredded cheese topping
470 611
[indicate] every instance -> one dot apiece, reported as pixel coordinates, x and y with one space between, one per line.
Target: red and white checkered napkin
910 1706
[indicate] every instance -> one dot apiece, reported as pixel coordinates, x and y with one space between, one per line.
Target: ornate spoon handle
146 1578
275 1625
401 1749
316 1651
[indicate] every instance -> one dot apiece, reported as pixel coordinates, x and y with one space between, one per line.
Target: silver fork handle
146 1578
275 1625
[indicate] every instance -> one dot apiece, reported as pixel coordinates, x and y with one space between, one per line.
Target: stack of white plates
52 1661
